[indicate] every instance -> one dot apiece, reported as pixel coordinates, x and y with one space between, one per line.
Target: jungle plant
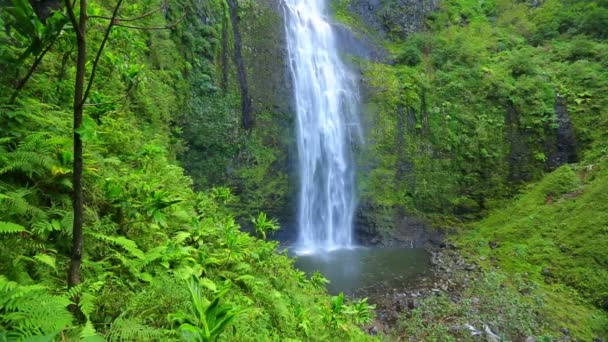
263 225
335 316
360 311
318 280
207 318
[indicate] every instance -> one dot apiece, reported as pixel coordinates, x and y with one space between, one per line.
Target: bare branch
147 14
153 27
99 51
126 96
30 72
70 6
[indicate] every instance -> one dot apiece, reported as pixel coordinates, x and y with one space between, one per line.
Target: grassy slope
556 233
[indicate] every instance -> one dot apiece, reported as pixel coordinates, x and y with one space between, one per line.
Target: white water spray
326 99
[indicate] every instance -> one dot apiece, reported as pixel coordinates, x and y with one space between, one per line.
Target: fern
134 329
10 228
33 156
25 310
17 204
121 241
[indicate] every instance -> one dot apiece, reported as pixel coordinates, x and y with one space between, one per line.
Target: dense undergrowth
468 115
161 261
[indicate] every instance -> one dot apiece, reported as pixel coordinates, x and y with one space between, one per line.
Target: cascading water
326 98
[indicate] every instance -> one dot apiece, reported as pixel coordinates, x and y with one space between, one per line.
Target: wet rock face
359 46
398 17
265 56
393 228
562 148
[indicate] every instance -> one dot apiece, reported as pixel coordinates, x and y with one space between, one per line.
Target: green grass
556 234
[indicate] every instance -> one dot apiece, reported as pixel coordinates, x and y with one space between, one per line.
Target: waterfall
326 100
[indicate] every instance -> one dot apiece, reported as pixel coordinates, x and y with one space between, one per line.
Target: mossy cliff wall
473 100
255 163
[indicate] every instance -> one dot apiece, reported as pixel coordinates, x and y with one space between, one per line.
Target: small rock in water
531 339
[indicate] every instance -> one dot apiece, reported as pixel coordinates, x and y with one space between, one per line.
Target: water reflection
367 270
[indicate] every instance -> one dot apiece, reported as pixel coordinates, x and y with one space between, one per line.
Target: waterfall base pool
365 271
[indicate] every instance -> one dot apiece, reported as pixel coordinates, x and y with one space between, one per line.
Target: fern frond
15 202
26 309
133 329
87 304
33 156
10 228
121 241
46 259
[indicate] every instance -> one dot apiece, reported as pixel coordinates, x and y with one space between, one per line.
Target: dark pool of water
367 270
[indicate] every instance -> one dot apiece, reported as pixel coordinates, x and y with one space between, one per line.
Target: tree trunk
77 196
224 51
247 111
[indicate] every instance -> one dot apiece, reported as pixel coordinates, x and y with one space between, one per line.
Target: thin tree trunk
247 111
224 49
77 196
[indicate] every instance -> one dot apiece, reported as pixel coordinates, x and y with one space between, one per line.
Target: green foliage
463 121
25 311
146 229
10 228
208 318
263 225
361 312
467 114
31 33
318 280
340 312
